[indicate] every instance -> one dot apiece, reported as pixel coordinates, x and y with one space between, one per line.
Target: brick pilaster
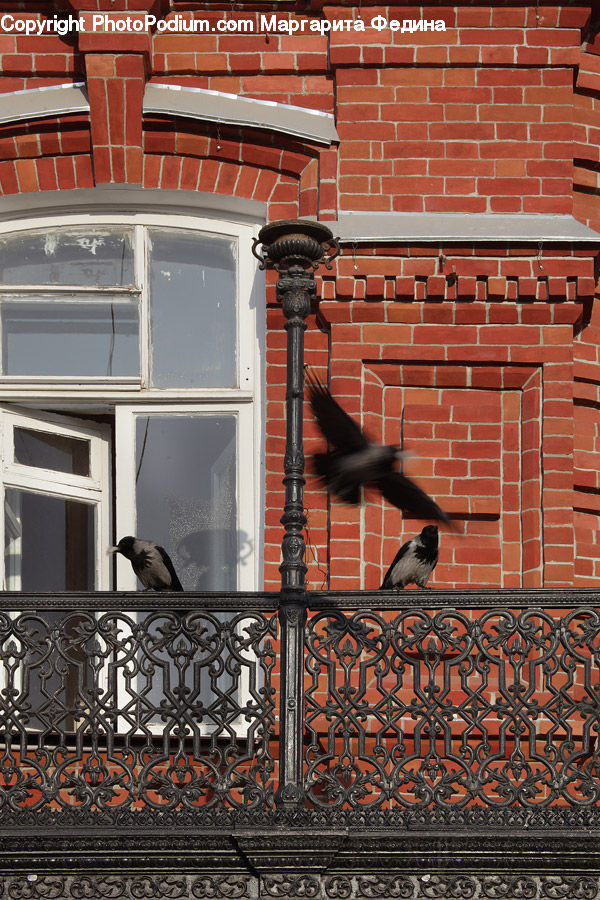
117 67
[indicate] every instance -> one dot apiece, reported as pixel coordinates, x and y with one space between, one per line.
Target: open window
130 403
56 500
135 339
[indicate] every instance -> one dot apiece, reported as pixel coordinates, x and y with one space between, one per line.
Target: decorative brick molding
480 399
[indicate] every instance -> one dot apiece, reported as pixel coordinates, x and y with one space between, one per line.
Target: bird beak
113 550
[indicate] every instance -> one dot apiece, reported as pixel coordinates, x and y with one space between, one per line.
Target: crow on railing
414 562
150 562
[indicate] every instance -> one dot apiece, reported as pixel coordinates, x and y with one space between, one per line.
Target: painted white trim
37 103
231 109
15 417
142 278
411 228
154 209
130 201
93 489
246 493
246 278
97 389
174 99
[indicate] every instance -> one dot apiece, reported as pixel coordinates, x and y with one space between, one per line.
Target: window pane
52 451
49 543
185 492
68 256
193 310
84 338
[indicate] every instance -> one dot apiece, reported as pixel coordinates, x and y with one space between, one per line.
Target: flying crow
414 562
150 562
355 461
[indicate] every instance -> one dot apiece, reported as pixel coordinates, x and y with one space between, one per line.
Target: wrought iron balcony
449 746
437 710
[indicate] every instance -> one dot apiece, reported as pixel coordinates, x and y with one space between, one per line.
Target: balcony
449 745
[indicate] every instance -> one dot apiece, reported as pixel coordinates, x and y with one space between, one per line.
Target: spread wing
175 582
403 493
401 552
337 426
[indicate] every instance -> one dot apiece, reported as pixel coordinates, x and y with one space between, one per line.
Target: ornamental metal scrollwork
294 547
98 887
304 242
36 887
128 887
441 719
123 719
290 886
229 886
296 292
454 886
569 887
337 887
170 887
413 718
498 887
373 886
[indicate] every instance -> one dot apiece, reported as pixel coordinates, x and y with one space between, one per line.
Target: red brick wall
491 352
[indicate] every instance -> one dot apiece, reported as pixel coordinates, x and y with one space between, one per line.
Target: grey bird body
414 562
347 471
355 461
150 562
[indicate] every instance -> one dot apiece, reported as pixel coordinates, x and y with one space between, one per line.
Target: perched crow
150 562
414 562
355 461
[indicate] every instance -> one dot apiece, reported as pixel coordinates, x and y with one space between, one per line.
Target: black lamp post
295 249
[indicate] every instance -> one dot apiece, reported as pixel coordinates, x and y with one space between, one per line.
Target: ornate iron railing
443 716
159 715
481 709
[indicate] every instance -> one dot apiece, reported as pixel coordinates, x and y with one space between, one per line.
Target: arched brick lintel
283 194
59 152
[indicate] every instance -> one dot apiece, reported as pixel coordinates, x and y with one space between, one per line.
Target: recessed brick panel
488 429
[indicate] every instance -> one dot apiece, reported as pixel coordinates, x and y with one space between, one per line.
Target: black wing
175 582
401 552
326 465
404 494
139 563
337 426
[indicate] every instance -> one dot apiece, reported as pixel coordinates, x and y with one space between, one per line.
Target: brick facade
487 350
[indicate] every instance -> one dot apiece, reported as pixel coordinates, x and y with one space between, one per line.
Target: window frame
73 395
93 488
125 419
142 223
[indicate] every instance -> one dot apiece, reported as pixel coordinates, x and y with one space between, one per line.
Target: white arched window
130 388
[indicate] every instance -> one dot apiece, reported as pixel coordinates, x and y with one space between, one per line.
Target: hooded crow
355 461
414 562
150 562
